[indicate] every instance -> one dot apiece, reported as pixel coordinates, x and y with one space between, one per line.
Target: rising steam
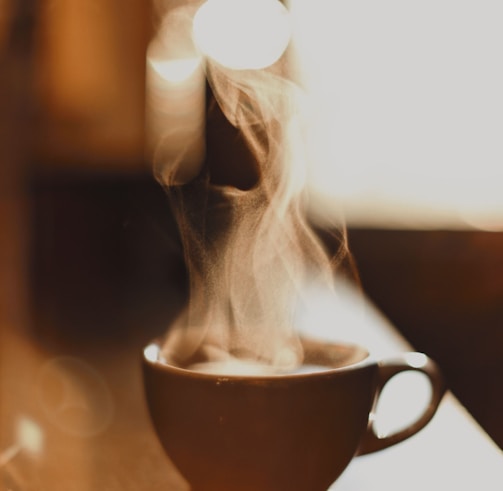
249 250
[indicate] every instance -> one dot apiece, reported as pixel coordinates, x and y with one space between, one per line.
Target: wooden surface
452 452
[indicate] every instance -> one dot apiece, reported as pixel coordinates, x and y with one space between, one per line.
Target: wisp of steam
249 250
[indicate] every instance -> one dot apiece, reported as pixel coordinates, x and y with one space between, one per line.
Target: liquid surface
318 357
250 368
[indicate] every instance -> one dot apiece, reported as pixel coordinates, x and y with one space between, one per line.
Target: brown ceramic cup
290 432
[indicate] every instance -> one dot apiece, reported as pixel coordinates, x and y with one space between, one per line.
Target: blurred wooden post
90 76
16 130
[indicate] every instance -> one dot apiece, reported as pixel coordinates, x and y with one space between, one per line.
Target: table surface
452 452
73 418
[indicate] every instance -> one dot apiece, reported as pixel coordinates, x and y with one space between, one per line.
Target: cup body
269 433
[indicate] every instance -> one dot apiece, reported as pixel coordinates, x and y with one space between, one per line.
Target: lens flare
175 99
29 435
242 34
175 71
151 352
175 114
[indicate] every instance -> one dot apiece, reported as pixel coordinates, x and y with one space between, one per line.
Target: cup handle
388 368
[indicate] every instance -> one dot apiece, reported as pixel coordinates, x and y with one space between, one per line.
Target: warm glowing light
29 435
175 113
175 99
177 70
74 397
151 352
242 34
408 110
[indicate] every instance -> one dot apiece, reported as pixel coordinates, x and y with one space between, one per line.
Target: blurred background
90 260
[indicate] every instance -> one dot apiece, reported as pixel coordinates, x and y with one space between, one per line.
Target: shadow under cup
283 432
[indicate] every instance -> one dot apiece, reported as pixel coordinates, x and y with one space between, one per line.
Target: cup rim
151 357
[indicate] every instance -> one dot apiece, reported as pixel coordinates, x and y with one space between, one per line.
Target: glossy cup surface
294 432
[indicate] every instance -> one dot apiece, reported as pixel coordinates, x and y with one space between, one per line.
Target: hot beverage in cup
261 429
237 401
